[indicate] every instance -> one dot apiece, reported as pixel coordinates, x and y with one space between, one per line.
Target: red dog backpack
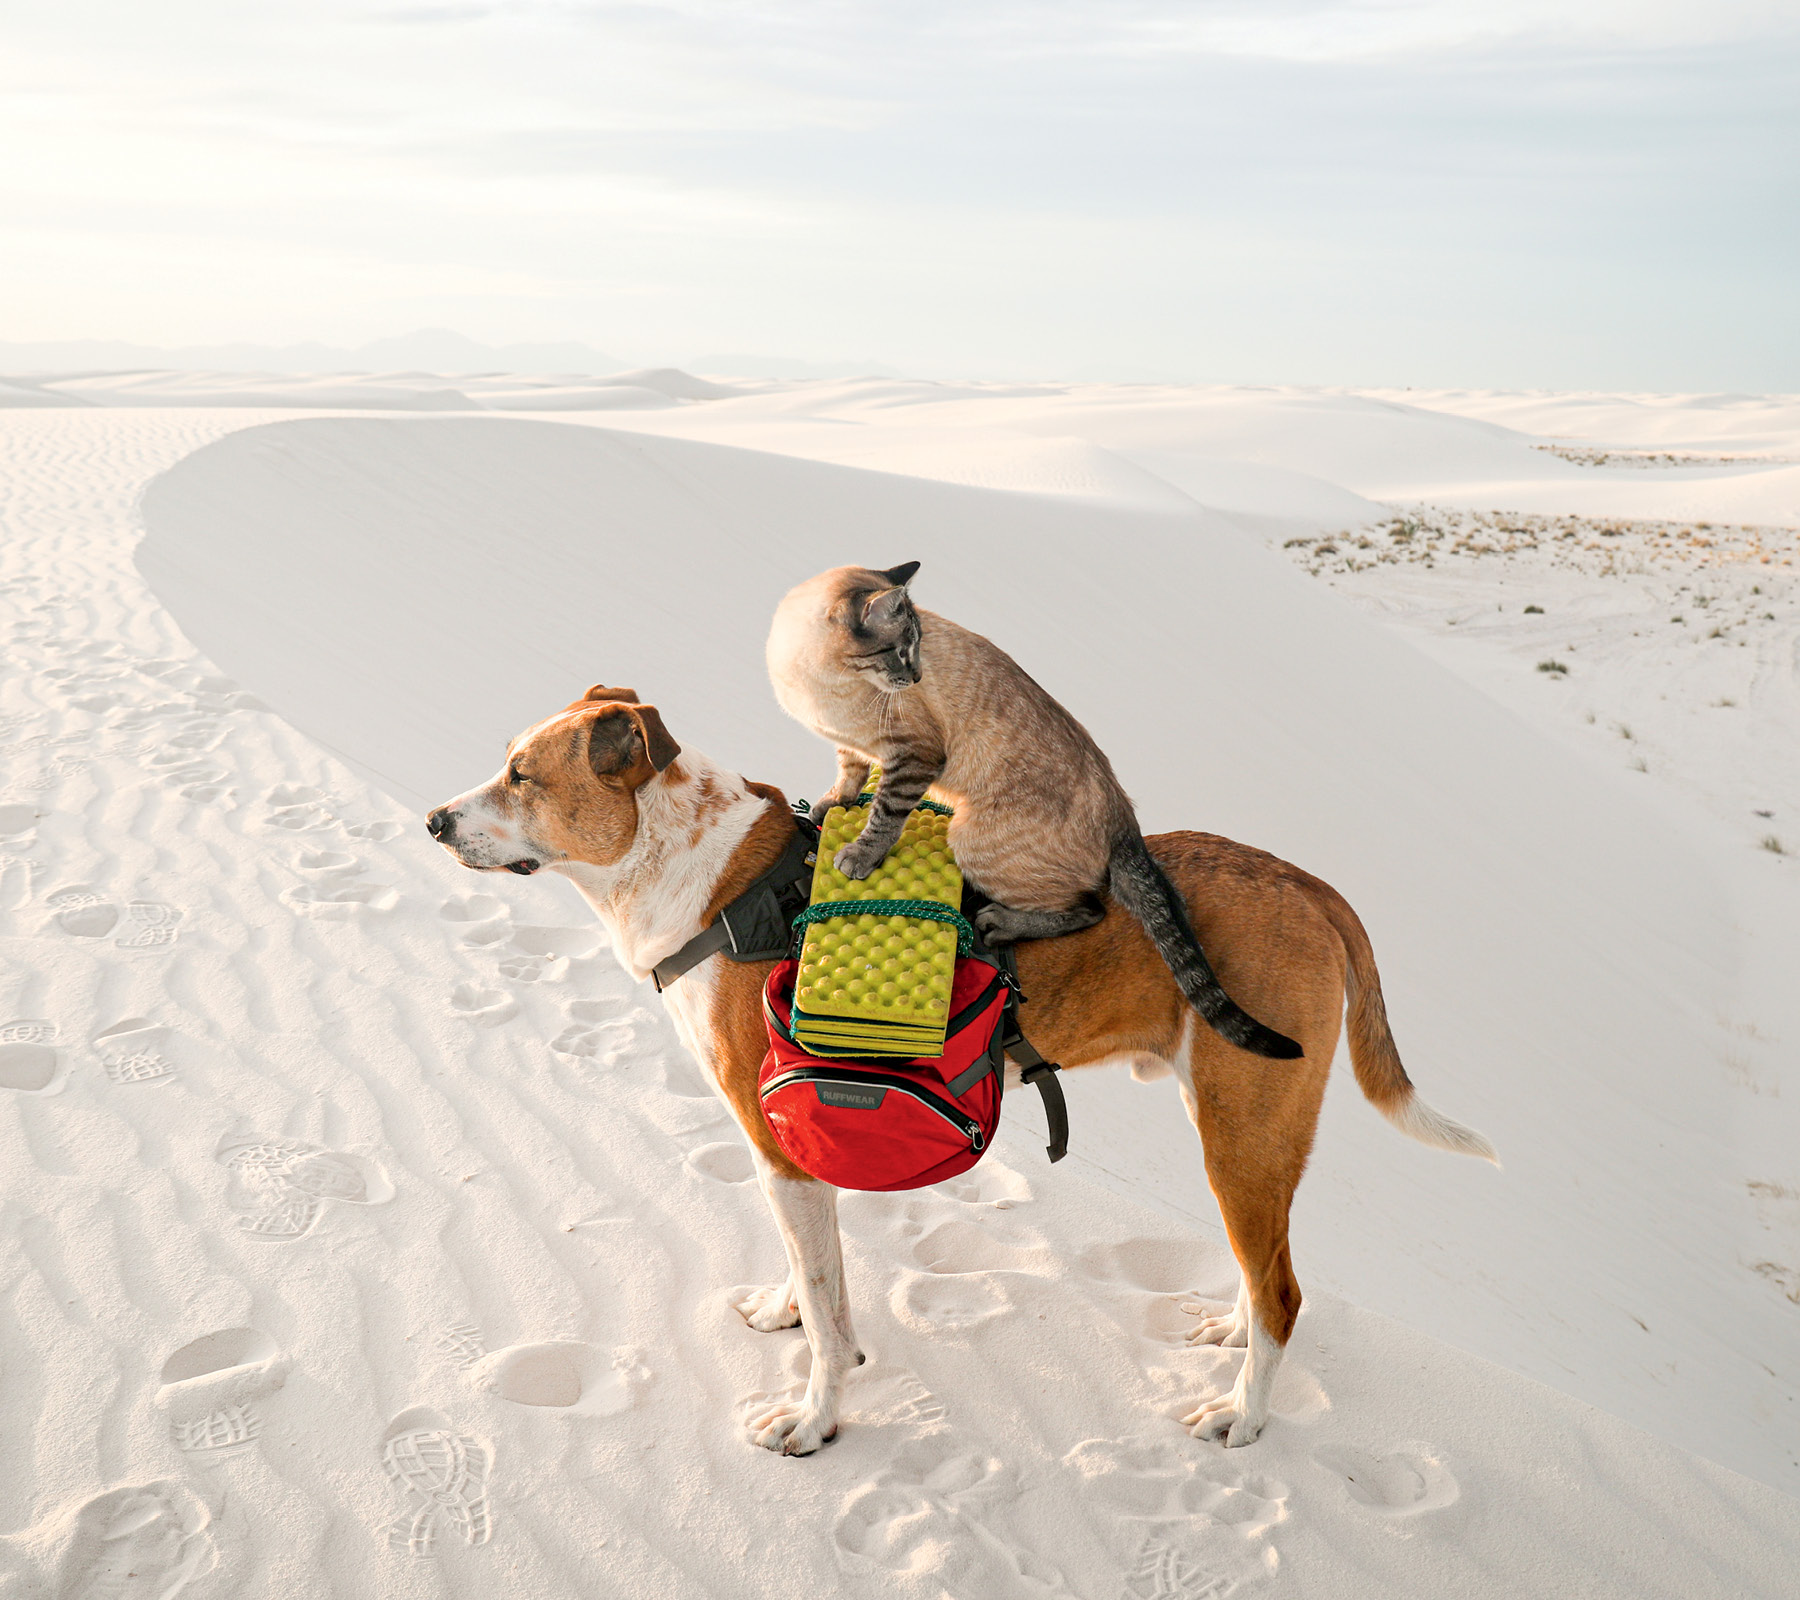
877 1122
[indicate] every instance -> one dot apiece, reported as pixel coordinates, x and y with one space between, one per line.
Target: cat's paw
995 925
859 858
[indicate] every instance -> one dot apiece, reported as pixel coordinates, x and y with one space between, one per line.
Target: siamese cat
1042 825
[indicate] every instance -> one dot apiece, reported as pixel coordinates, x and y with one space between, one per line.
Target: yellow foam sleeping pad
877 983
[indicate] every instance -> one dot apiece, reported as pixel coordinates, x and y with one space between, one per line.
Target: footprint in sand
559 944
893 1398
297 808
29 1062
463 1344
51 774
442 1476
724 1162
211 1388
198 781
938 1511
483 1008
83 912
564 1375
932 1305
133 1051
1179 1530
1409 1481
332 887
543 954
597 1028
959 1246
167 762
15 880
378 832
19 817
278 1187
149 925
138 1542
1157 1266
479 918
966 1275
1176 1280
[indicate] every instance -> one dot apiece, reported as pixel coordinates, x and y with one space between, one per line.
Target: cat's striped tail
1143 889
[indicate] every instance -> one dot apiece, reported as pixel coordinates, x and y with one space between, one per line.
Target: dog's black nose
439 824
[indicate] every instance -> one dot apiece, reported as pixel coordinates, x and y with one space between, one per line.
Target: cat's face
852 623
880 632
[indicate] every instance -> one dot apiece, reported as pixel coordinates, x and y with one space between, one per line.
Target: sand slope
1555 955
368 1233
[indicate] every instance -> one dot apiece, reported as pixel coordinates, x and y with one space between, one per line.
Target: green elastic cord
867 797
929 910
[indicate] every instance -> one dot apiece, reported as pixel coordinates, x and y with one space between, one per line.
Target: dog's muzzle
441 825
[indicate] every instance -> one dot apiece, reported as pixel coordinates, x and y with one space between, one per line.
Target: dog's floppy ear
622 739
601 692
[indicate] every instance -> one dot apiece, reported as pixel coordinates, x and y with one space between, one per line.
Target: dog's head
568 790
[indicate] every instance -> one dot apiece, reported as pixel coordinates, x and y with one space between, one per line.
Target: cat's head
855 622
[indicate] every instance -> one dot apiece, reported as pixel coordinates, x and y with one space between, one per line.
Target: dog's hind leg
1272 1293
1253 1180
806 1213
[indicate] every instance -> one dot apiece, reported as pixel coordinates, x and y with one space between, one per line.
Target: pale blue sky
1314 191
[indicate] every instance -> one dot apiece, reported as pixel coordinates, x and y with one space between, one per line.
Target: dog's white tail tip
1414 1118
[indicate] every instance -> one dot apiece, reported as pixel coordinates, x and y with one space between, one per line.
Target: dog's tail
1373 1053
1143 889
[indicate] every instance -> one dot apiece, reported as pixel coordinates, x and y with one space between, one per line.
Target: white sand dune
370 1234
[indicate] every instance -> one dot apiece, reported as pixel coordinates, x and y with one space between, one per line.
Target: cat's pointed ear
901 575
884 608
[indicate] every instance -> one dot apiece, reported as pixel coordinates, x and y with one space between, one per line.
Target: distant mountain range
428 350
437 350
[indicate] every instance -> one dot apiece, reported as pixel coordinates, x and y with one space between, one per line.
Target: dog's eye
513 775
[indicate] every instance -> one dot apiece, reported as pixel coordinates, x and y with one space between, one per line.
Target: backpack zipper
965 1125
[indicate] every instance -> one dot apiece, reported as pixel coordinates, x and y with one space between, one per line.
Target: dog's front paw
858 859
1223 1416
791 1427
769 1310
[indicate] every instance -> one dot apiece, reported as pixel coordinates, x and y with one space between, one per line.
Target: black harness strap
755 926
1010 1040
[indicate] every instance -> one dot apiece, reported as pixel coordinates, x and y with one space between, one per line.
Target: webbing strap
1034 1069
925 910
754 927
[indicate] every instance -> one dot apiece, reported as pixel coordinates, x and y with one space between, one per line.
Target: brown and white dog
658 840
